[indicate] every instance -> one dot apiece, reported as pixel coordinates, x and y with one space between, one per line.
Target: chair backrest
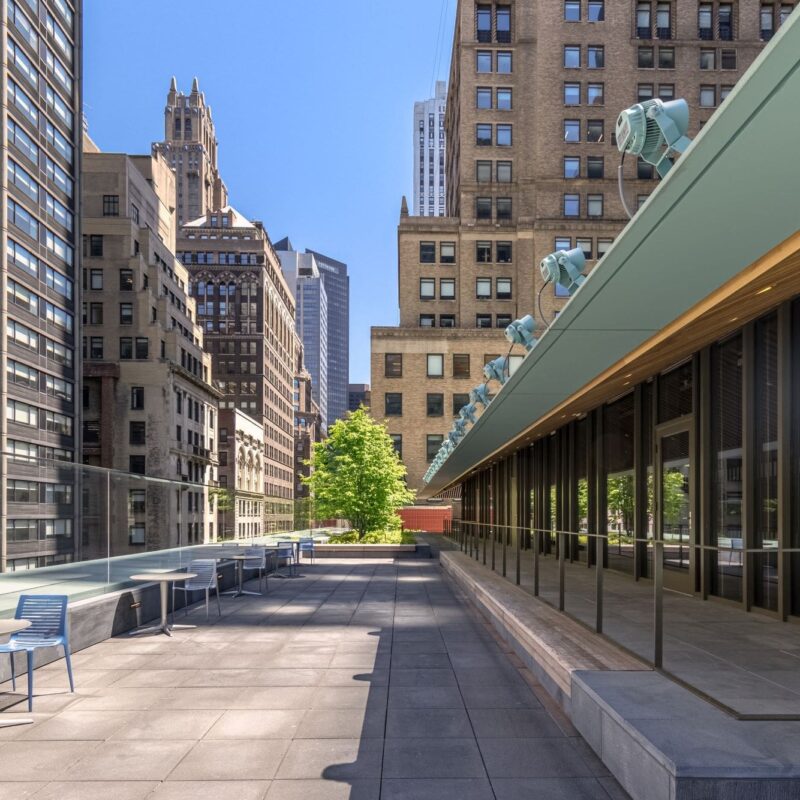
257 558
206 570
306 544
285 549
47 614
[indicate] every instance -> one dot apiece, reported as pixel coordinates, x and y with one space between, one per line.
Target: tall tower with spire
190 147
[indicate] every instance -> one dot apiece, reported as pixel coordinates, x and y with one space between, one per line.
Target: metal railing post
598 584
493 552
505 544
536 535
658 603
517 577
561 569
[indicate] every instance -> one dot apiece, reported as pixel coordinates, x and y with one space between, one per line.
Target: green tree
224 498
357 475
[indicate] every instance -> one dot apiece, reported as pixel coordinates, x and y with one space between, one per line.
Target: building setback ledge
658 739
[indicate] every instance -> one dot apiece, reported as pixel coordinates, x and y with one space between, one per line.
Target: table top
163 576
13 625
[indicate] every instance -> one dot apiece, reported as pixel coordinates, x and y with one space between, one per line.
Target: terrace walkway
361 680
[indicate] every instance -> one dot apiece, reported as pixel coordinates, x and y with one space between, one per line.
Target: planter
372 551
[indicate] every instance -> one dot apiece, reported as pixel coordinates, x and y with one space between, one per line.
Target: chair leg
69 667
13 673
208 591
30 680
219 605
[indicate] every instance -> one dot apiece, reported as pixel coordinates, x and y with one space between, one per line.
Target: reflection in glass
675 393
675 503
726 471
618 421
583 490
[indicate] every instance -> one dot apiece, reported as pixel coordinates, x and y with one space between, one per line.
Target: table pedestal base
10 723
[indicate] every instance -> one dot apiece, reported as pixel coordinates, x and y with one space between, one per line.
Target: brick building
532 168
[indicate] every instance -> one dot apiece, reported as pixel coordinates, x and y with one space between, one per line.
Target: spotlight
520 331
480 395
496 370
460 426
453 438
564 267
654 130
467 413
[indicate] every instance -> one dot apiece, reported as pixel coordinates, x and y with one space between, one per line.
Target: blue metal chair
48 616
285 552
206 580
306 545
257 560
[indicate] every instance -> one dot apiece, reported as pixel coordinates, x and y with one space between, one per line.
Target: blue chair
285 552
306 545
257 560
48 616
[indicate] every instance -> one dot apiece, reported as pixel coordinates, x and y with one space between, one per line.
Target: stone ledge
372 551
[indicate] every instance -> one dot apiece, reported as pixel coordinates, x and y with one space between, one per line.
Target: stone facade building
430 190
148 404
190 147
40 137
247 313
241 475
308 429
531 168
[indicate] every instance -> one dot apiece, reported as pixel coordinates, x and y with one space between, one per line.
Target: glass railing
82 530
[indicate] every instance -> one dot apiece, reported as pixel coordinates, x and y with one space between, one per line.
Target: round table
163 579
239 591
8 626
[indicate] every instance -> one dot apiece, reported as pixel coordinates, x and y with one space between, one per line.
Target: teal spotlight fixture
564 267
520 331
496 370
655 131
453 438
460 426
468 412
480 396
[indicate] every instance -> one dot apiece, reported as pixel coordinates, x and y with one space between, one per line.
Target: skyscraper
531 168
337 287
430 188
41 143
190 147
311 318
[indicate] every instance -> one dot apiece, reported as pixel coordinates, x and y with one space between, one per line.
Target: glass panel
675 393
765 566
726 470
582 483
676 514
618 458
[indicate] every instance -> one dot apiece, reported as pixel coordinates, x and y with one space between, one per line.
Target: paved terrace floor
360 680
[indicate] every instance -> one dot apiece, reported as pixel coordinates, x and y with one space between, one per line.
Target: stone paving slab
362 680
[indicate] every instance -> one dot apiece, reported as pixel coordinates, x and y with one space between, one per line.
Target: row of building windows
493 20
595 11
499 61
435 363
22 297
28 339
447 288
595 56
498 171
21 374
499 252
488 98
434 404
23 491
487 135
130 348
40 418
28 530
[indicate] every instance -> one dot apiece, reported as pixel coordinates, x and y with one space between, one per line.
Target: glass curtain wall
618 452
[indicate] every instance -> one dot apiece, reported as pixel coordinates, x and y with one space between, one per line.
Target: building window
484 61
461 365
483 208
503 209
595 130
110 205
393 404
504 99
572 11
125 348
663 21
572 94
95 314
447 253
725 21
447 289
572 205
666 58
96 348
483 171
572 167
435 405
704 22
572 56
563 243
586 246
95 245
427 320
96 279
503 250
645 58
397 442
142 347
427 288
435 365
483 98
136 534
483 320
483 288
504 172
137 398
666 91
708 96
767 23
136 465
596 10
594 205
503 135
595 167
427 252
483 252
728 59
644 171
644 25
503 288
126 280
595 94
433 441
503 321
136 432
447 320
602 247
483 135
125 313
595 57
644 92
459 401
572 130
504 63
483 23
724 91
708 59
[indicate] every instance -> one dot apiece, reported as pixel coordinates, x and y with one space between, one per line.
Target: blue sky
313 104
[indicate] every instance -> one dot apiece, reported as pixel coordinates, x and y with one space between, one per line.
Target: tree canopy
357 475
